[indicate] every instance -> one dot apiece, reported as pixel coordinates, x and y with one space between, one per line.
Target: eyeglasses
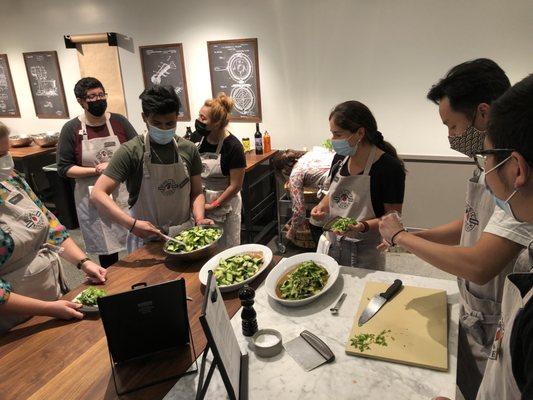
99 96
481 157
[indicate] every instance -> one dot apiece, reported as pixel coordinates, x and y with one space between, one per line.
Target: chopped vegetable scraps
237 268
88 296
342 224
364 340
306 280
193 239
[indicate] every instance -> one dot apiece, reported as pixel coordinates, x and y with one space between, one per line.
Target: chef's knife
378 301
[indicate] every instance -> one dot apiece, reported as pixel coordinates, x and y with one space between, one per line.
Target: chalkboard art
46 84
9 107
234 68
163 65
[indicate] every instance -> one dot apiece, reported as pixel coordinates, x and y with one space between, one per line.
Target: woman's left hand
205 221
95 273
389 225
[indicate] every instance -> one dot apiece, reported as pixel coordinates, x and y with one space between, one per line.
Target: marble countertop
348 377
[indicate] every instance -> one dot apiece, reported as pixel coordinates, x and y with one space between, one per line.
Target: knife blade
378 301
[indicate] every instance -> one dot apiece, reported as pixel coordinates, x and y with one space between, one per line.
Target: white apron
480 304
165 196
498 380
101 236
349 196
32 270
227 215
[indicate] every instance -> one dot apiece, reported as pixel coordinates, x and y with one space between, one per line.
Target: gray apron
498 380
349 196
480 304
101 236
32 270
227 215
165 196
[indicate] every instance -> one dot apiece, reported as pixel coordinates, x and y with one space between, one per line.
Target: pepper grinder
248 315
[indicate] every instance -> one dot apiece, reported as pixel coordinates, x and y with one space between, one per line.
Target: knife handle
392 290
321 347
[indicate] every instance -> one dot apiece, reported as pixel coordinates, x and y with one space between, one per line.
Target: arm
76 171
23 305
66 158
320 211
236 178
296 187
449 233
373 224
198 200
73 254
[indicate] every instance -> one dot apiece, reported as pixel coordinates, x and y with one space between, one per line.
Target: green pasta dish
238 268
342 224
193 239
306 280
89 296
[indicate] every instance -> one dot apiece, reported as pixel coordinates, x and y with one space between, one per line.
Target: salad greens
364 340
88 296
307 279
342 224
193 239
237 268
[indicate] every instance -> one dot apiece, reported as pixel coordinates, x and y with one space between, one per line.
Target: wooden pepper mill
248 315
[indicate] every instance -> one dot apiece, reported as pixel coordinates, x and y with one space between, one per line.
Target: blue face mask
342 147
503 204
161 136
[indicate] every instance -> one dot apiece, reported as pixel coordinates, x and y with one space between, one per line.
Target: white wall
313 54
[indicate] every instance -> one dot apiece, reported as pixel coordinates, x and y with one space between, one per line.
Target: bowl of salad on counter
89 300
235 267
194 243
301 279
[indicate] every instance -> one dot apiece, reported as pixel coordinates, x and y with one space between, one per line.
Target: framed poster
9 107
234 68
162 64
46 84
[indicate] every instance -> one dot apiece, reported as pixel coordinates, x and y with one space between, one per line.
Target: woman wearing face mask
223 163
31 274
367 180
85 147
162 174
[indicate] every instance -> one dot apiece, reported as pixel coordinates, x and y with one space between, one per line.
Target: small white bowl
290 263
245 248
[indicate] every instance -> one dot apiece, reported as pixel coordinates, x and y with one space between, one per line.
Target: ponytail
388 148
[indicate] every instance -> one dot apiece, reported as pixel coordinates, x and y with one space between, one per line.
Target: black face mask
97 108
201 128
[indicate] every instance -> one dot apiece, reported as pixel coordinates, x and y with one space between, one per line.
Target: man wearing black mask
86 144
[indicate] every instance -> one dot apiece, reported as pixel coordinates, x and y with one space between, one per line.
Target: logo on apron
104 155
33 220
204 168
168 187
471 221
344 199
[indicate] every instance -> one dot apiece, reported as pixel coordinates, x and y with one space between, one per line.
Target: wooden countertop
30 151
253 159
50 359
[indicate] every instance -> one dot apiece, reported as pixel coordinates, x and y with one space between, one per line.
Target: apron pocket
480 317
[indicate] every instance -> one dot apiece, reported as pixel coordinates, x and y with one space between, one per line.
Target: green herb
237 268
342 224
88 296
193 239
364 340
306 280
327 144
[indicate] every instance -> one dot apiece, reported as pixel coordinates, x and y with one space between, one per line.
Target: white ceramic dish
245 248
287 264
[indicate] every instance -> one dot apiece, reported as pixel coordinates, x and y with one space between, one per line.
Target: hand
383 246
209 207
101 167
95 273
205 221
145 229
440 398
63 309
318 213
389 225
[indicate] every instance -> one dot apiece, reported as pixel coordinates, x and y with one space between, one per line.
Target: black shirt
387 181
231 154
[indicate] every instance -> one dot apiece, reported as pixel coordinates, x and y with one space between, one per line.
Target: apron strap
83 121
219 144
370 160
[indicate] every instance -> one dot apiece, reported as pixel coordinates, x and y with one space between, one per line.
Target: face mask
503 204
469 143
6 166
342 147
161 136
201 128
97 108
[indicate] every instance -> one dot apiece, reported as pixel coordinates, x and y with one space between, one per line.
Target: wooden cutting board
418 322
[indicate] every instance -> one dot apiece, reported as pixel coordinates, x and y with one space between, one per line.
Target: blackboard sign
9 107
163 65
46 84
234 67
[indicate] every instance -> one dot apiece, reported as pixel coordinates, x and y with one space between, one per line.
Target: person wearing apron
359 146
163 187
31 274
222 169
489 242
95 145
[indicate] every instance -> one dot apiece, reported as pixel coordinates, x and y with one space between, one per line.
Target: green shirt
126 165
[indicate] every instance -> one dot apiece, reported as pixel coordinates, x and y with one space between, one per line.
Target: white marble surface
348 377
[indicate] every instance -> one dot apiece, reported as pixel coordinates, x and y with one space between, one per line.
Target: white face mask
6 166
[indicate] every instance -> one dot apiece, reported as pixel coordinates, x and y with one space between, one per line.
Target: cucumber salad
304 281
193 239
238 268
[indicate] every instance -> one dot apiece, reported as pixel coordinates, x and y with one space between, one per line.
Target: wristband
396 234
80 264
215 203
133 226
366 227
